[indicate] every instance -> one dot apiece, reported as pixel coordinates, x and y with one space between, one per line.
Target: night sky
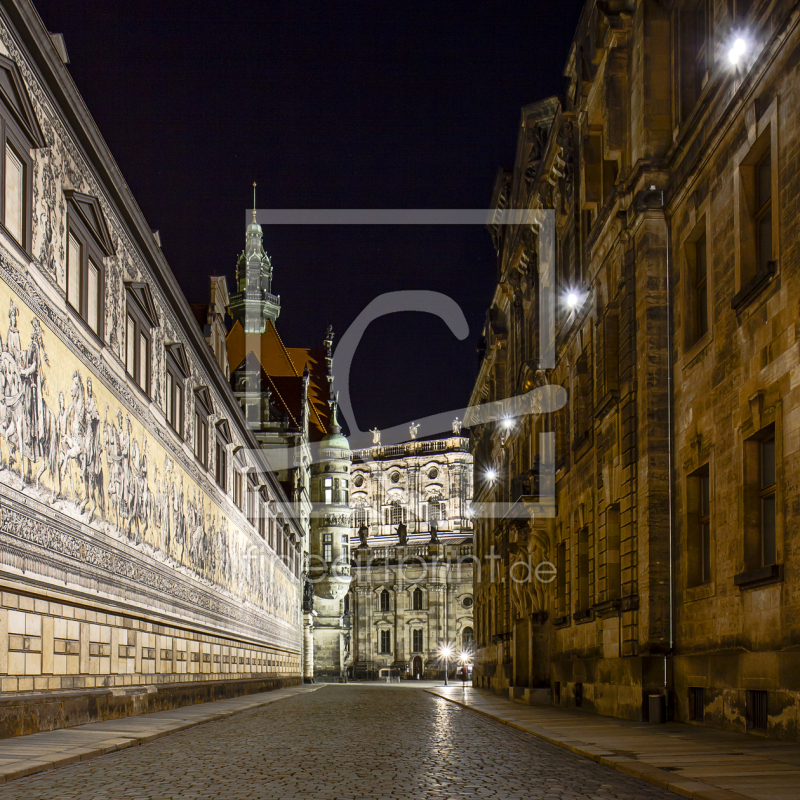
325 105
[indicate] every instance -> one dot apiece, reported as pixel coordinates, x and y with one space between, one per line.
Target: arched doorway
416 667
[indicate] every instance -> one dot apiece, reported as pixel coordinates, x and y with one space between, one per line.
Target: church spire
253 302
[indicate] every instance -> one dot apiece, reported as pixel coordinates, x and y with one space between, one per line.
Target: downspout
670 442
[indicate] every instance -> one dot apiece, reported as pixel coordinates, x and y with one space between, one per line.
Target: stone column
308 648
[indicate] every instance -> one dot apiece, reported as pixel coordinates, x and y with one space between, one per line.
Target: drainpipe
670 441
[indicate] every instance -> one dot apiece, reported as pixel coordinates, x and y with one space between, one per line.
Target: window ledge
582 445
560 622
761 576
15 245
702 591
754 286
691 352
539 618
606 404
608 608
583 616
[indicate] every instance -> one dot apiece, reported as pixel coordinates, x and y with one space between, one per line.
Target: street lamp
445 652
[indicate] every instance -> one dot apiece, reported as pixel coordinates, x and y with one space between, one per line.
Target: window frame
417 599
751 276
177 372
385 601
14 137
385 638
221 441
141 319
86 225
202 411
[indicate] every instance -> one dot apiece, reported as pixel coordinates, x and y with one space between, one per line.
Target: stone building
135 503
668 165
412 559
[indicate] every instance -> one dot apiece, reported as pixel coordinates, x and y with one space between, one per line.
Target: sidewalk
691 760
26 755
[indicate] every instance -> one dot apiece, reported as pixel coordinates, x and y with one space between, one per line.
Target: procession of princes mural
65 441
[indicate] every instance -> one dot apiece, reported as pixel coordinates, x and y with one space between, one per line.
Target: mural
68 442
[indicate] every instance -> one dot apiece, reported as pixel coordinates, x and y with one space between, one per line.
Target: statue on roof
434 532
363 532
457 426
413 429
402 534
376 435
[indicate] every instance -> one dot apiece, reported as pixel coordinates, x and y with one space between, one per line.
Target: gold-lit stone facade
671 172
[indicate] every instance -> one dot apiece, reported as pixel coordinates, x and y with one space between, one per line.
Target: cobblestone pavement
340 743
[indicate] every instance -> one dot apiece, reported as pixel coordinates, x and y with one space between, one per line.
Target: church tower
329 546
253 303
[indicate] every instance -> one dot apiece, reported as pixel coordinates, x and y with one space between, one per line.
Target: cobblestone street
340 742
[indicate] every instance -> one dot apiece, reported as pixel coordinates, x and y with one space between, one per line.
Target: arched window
395 513
437 508
417 599
467 639
347 603
384 600
360 515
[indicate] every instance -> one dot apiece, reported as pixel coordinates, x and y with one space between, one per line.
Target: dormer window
140 319
19 133
223 439
202 411
177 373
88 243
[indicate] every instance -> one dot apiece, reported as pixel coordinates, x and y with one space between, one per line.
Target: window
238 495
613 583
766 495
327 547
385 600
697 703
760 501
177 372
763 211
561 579
19 134
203 408
608 353
222 465
584 589
88 243
386 642
698 504
582 400
345 548
395 513
140 319
416 639
347 603
360 516
417 599
755 225
697 262
757 710
14 194
467 639
437 509
328 490
694 26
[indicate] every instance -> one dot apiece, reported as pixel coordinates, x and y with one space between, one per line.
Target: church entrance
416 669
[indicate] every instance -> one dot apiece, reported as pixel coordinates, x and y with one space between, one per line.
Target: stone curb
687 787
28 765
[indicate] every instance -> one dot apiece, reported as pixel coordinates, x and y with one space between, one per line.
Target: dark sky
325 105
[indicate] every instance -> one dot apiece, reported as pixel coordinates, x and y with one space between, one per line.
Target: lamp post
445 652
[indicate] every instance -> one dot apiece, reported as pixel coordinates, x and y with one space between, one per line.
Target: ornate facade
669 167
412 564
128 558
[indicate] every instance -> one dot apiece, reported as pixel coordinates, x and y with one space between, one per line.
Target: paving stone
340 743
